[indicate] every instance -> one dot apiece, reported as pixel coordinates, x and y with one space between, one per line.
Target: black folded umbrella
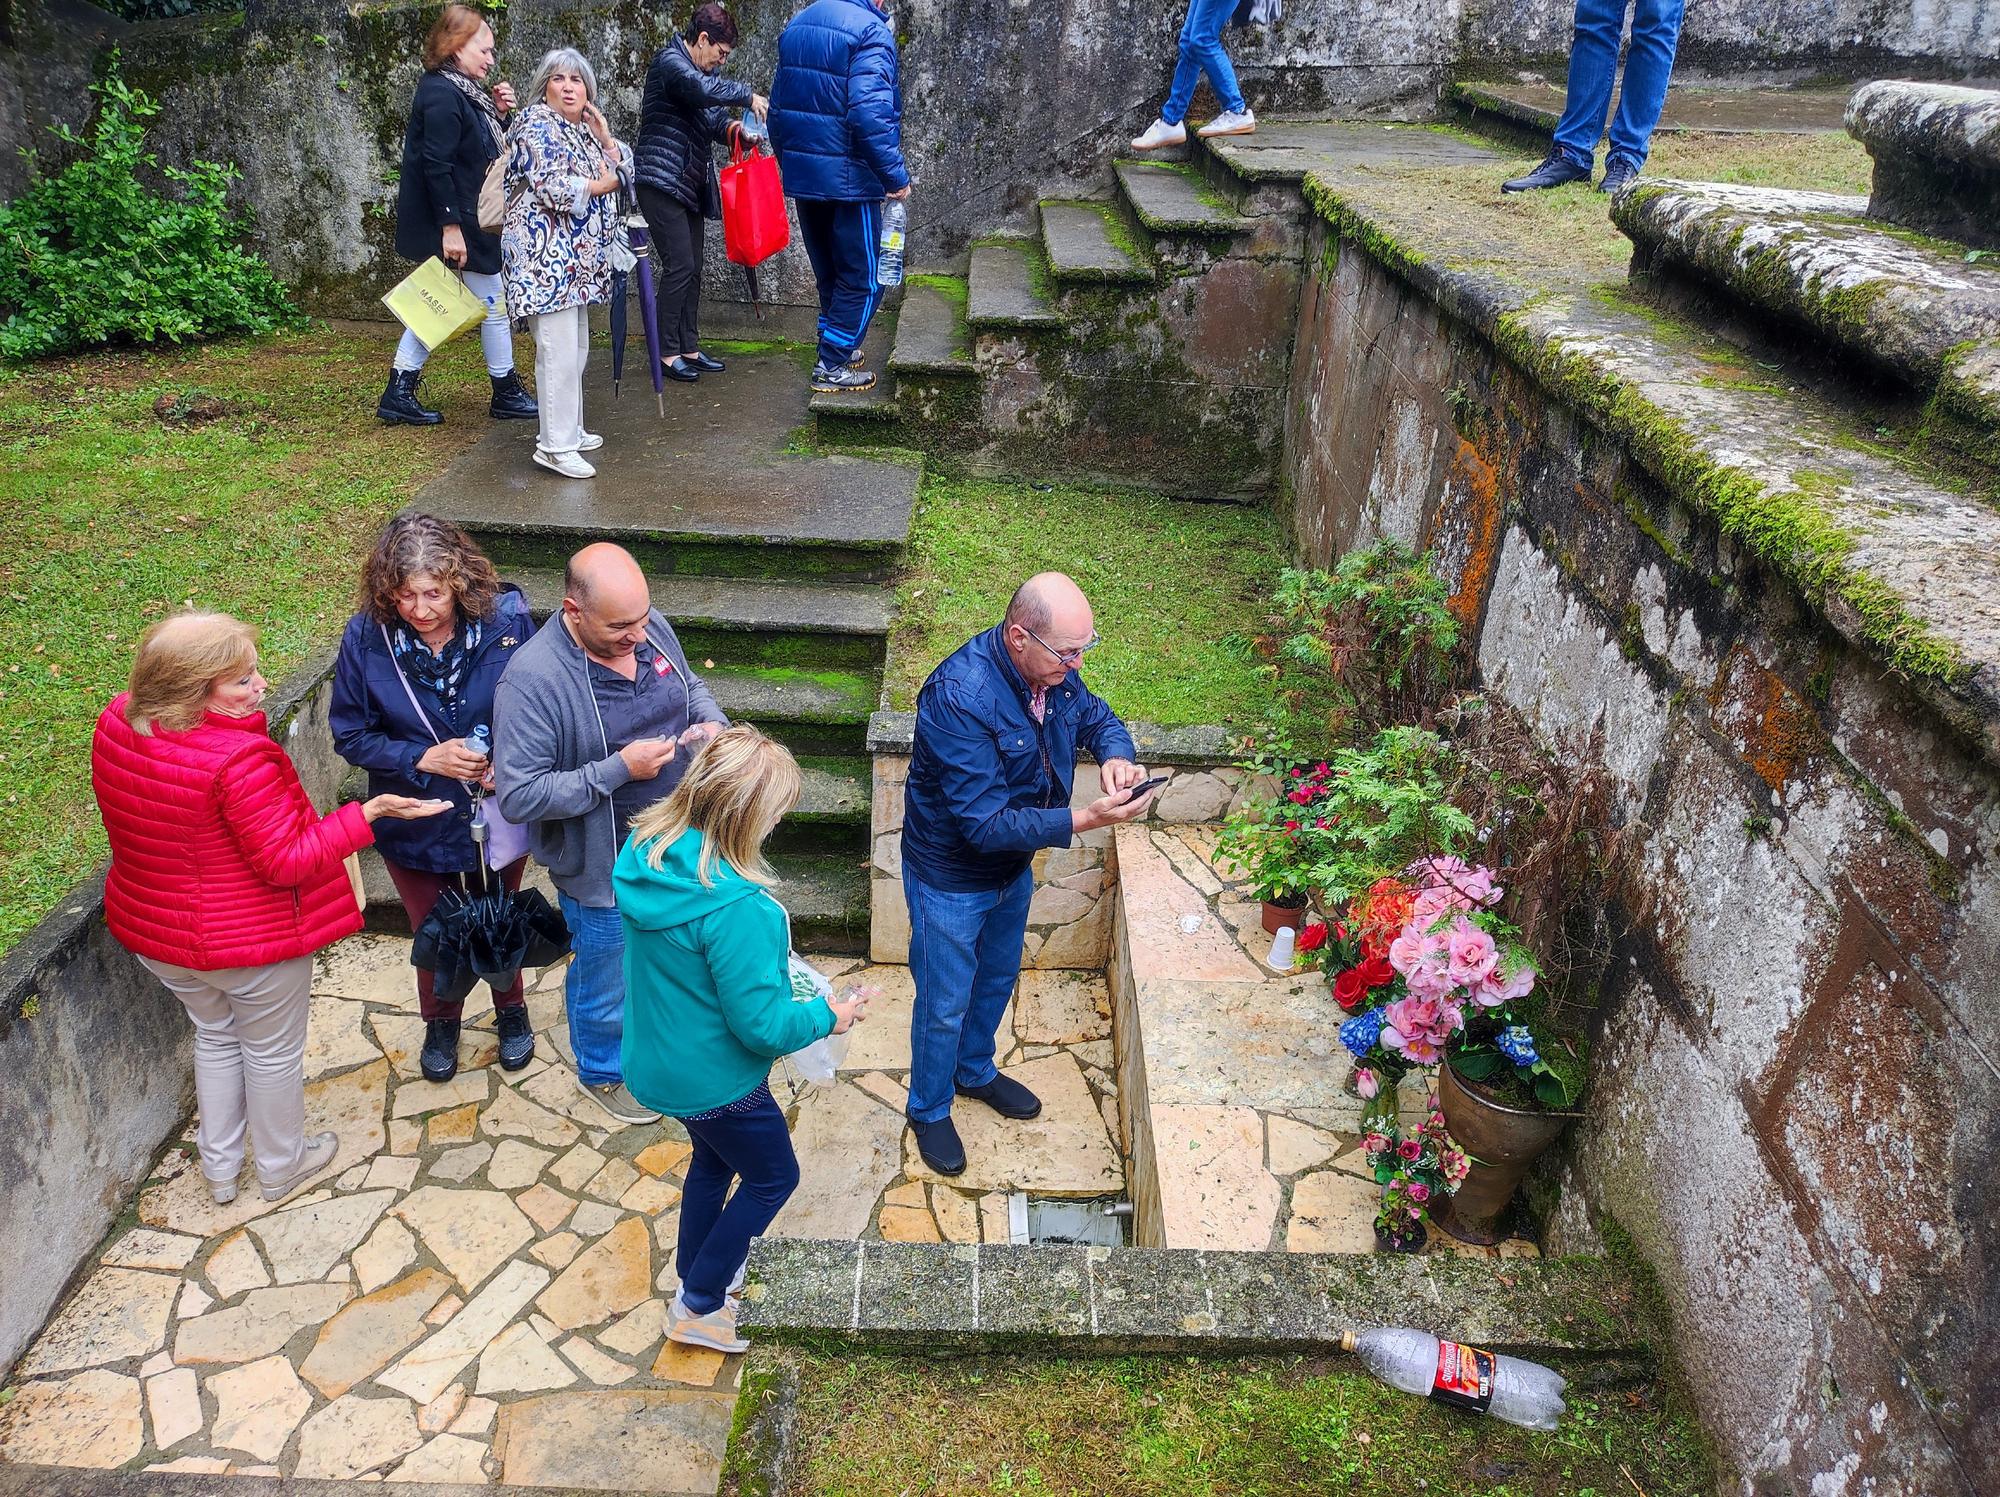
489 935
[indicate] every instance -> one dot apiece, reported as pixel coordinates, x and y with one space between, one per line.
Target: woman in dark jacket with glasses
412 696
684 115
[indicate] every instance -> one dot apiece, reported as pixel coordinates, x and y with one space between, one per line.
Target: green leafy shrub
93 254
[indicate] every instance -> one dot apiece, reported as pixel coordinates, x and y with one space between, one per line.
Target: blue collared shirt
989 786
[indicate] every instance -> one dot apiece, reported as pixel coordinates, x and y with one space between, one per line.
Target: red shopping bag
754 226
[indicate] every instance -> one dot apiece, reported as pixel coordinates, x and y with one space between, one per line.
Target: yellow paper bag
435 304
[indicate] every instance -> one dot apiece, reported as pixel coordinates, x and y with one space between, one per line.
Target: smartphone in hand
1145 787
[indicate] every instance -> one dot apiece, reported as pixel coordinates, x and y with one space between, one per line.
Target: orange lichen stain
1777 729
1478 482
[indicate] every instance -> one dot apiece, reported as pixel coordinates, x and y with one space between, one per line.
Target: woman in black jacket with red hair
454 134
684 114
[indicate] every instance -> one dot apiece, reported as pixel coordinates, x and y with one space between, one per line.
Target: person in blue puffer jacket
836 122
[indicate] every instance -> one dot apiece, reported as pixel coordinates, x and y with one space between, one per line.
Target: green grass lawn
878 1426
1168 580
111 517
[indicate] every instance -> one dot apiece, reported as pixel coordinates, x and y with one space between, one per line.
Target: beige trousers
249 1062
562 348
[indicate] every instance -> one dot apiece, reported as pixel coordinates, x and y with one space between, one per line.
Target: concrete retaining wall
1798 1060
99 1063
310 96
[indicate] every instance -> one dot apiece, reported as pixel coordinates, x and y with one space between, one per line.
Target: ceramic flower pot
1503 1141
1279 914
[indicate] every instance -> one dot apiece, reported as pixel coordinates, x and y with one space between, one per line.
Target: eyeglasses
1070 658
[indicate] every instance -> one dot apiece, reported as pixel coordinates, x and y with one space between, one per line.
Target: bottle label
892 239
1464 1377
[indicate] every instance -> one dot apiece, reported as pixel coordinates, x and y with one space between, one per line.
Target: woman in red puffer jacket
224 881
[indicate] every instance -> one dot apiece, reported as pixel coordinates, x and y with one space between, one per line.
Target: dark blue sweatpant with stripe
843 241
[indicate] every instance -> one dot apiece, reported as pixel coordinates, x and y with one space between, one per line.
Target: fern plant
94 255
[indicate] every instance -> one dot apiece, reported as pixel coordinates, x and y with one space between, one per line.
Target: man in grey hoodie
596 719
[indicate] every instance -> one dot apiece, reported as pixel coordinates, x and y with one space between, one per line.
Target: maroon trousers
419 891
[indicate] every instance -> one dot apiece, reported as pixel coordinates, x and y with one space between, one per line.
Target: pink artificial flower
1419 1192
1456 1165
1415 1027
1291 826
1373 1143
1365 1083
1416 1213
1302 796
1409 1148
1470 952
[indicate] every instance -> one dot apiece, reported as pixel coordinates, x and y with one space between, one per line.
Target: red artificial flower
1376 972
1291 826
1302 796
1312 937
1348 988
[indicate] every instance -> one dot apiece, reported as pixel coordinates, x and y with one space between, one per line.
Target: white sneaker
716 1330
319 1152
1229 122
566 463
590 443
1158 134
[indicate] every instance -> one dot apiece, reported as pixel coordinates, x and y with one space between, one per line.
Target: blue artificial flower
1517 1045
1360 1032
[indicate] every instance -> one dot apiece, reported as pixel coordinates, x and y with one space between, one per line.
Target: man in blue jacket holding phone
999 724
836 123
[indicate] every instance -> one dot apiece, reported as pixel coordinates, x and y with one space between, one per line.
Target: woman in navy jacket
454 134
415 678
684 114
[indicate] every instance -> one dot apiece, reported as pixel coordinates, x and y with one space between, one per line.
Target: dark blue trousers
755 1148
842 241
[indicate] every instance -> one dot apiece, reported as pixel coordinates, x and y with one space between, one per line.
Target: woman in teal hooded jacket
709 1007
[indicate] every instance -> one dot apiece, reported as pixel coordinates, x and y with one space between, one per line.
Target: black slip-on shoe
517 1040
939 1145
680 369
704 363
1555 171
1005 1096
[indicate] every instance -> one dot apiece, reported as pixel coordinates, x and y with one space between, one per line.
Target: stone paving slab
1174 199
1004 287
1085 242
931 335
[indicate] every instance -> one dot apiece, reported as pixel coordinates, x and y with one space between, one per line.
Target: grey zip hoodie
552 768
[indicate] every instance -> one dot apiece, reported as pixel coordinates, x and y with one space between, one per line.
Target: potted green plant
1418 1168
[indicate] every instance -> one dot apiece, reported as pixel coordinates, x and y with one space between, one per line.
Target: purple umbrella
649 316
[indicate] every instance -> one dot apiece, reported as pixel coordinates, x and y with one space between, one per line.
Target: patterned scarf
481 100
442 674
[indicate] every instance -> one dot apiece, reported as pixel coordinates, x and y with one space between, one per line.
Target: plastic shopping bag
754 225
435 304
820 1060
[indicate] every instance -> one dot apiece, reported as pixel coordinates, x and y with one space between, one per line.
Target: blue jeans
594 990
754 1147
1593 68
965 957
1201 52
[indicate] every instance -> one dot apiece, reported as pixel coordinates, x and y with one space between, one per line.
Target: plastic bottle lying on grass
1463 1377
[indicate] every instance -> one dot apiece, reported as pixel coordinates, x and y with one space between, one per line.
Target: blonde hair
734 794
179 661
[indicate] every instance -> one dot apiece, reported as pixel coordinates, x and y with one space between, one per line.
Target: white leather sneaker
1230 122
590 443
566 463
1158 134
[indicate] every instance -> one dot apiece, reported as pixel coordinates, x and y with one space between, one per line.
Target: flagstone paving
475 1290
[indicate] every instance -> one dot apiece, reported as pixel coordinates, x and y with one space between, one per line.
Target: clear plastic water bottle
1464 1377
753 128
480 741
895 226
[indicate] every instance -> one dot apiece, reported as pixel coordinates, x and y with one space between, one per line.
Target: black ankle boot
440 1055
517 1040
511 400
398 405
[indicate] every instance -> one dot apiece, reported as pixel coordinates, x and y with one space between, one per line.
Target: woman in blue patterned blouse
561 233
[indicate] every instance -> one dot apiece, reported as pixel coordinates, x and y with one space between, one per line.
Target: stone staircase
776 567
1142 337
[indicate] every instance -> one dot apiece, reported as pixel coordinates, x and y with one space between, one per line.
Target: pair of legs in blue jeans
1201 52
1593 69
594 990
965 957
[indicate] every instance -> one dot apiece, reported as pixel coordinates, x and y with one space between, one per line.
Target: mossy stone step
876 403
1085 240
826 895
810 711
707 489
931 334
1008 287
1538 107
1888 297
1174 199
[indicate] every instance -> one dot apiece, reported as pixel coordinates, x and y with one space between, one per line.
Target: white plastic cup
1280 959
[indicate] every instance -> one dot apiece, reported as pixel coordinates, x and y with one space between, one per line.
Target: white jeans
562 347
249 1062
496 333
